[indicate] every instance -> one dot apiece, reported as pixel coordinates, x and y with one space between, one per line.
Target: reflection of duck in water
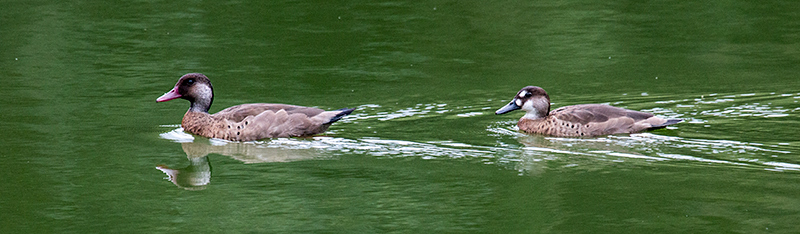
193 177
198 174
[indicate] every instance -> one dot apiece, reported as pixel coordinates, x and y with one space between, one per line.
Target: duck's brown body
246 122
578 120
590 120
251 122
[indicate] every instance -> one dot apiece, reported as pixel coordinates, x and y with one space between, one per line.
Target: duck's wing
598 113
598 119
258 121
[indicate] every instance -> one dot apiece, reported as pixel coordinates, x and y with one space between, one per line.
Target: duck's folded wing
250 122
588 113
598 119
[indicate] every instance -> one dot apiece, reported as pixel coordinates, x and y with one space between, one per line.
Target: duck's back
239 112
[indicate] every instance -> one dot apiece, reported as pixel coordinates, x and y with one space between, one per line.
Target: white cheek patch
530 112
528 106
522 94
518 102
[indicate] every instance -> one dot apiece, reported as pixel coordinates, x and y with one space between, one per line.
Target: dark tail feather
342 114
665 124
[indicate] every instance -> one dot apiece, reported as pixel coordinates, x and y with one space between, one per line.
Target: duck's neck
200 106
202 99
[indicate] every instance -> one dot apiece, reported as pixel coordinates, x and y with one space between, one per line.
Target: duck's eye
190 81
525 95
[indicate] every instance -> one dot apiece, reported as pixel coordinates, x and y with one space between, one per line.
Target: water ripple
641 148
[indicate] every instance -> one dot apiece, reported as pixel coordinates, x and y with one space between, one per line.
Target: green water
82 135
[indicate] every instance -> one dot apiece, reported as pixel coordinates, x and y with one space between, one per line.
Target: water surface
86 148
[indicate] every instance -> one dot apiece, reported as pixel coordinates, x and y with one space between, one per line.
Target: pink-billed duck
578 120
246 122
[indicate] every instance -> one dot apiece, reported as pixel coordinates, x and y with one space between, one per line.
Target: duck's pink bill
172 94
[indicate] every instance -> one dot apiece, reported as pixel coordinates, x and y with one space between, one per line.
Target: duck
584 120
246 122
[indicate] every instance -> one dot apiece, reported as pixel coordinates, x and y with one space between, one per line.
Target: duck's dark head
532 99
194 87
